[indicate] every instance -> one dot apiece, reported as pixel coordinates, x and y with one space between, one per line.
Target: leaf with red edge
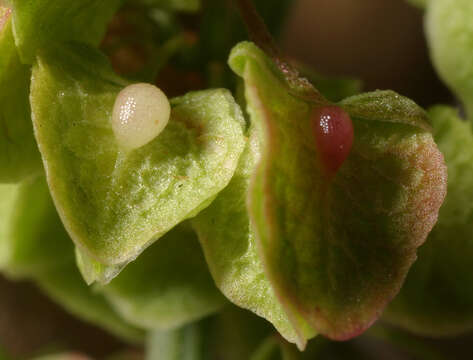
337 249
437 297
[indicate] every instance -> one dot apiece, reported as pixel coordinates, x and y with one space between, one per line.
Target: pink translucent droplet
333 131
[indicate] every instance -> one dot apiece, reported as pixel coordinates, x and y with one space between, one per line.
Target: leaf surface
449 34
232 334
437 299
179 344
179 5
115 204
386 106
168 286
66 287
34 245
19 156
336 250
27 215
41 24
229 244
418 3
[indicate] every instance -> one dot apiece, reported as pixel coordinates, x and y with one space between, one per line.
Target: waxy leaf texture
336 252
437 299
116 204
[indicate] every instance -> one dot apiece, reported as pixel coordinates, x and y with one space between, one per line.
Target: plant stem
257 29
259 33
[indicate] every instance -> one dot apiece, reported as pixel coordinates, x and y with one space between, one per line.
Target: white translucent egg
140 113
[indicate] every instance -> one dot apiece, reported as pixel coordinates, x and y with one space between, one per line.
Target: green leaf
113 204
168 286
419 3
450 37
35 245
62 356
27 215
66 287
275 348
19 156
386 106
179 5
336 251
437 299
270 349
333 88
235 333
181 344
8 195
229 244
40 24
3 354
232 334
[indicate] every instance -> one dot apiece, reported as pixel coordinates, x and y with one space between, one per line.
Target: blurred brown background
379 41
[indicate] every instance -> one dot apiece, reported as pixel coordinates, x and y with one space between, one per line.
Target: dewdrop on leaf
141 111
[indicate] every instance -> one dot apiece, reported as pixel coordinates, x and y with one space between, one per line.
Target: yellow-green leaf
115 204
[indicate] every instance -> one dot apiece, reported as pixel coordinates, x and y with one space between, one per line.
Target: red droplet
333 132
